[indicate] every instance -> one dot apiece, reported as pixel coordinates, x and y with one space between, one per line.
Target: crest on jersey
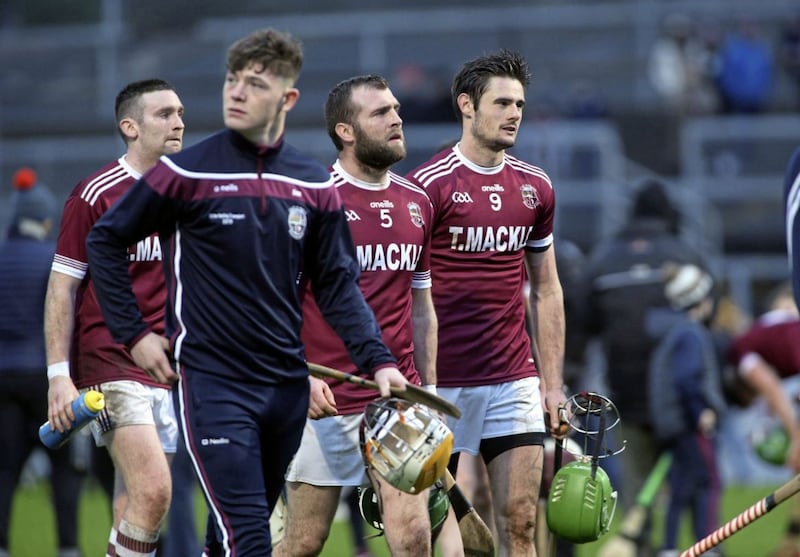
416 214
298 221
529 197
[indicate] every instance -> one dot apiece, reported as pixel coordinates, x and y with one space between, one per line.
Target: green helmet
438 505
771 445
580 506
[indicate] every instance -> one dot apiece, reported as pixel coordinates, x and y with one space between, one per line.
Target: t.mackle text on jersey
488 238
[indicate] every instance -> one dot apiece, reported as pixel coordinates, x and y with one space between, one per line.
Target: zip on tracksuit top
240 224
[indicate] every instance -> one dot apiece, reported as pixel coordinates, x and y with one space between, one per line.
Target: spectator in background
686 400
745 69
623 283
25 259
680 66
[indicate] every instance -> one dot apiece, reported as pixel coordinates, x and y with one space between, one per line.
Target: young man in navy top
245 219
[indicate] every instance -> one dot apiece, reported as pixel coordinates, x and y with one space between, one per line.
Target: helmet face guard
581 504
406 444
581 501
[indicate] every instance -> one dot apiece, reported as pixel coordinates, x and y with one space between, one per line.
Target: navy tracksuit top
241 227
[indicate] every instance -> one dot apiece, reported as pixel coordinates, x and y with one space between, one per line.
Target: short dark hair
273 50
127 103
473 78
339 106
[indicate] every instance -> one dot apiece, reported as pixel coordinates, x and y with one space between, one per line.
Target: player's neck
478 153
361 171
140 162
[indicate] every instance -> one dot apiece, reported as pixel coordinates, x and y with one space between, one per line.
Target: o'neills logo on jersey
385 204
488 238
148 249
529 198
298 220
493 188
416 214
389 257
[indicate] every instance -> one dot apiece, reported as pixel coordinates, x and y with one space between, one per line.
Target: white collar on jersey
477 168
337 166
123 162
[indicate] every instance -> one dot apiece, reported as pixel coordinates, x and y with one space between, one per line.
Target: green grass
33 526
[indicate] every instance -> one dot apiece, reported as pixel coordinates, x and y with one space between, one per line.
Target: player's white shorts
132 403
329 454
494 411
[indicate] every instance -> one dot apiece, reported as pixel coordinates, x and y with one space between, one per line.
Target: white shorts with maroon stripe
132 403
491 411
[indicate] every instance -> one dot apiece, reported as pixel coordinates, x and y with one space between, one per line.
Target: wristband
430 388
58 369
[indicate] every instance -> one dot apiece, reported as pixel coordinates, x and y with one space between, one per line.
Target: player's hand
707 422
151 354
388 377
557 412
321 402
60 394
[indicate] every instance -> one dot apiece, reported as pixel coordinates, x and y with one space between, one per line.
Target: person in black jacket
623 282
245 219
25 259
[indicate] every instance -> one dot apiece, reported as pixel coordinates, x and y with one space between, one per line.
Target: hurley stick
475 535
411 393
755 512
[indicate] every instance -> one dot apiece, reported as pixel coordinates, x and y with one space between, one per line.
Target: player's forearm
547 317
425 338
59 316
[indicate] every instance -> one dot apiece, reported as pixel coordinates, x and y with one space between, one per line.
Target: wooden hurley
411 393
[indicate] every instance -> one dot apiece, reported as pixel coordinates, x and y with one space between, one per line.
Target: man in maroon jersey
493 220
764 355
138 424
389 220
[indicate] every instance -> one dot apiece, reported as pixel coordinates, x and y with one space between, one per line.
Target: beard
492 143
376 154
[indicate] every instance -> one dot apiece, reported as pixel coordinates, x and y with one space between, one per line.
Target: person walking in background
686 402
138 424
623 283
246 220
493 221
390 222
25 258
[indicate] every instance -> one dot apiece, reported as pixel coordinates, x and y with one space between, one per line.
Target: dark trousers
23 408
242 438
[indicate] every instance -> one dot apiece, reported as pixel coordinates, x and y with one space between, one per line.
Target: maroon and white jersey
774 338
391 228
485 218
95 358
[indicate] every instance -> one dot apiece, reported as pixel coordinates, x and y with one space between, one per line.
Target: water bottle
85 408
